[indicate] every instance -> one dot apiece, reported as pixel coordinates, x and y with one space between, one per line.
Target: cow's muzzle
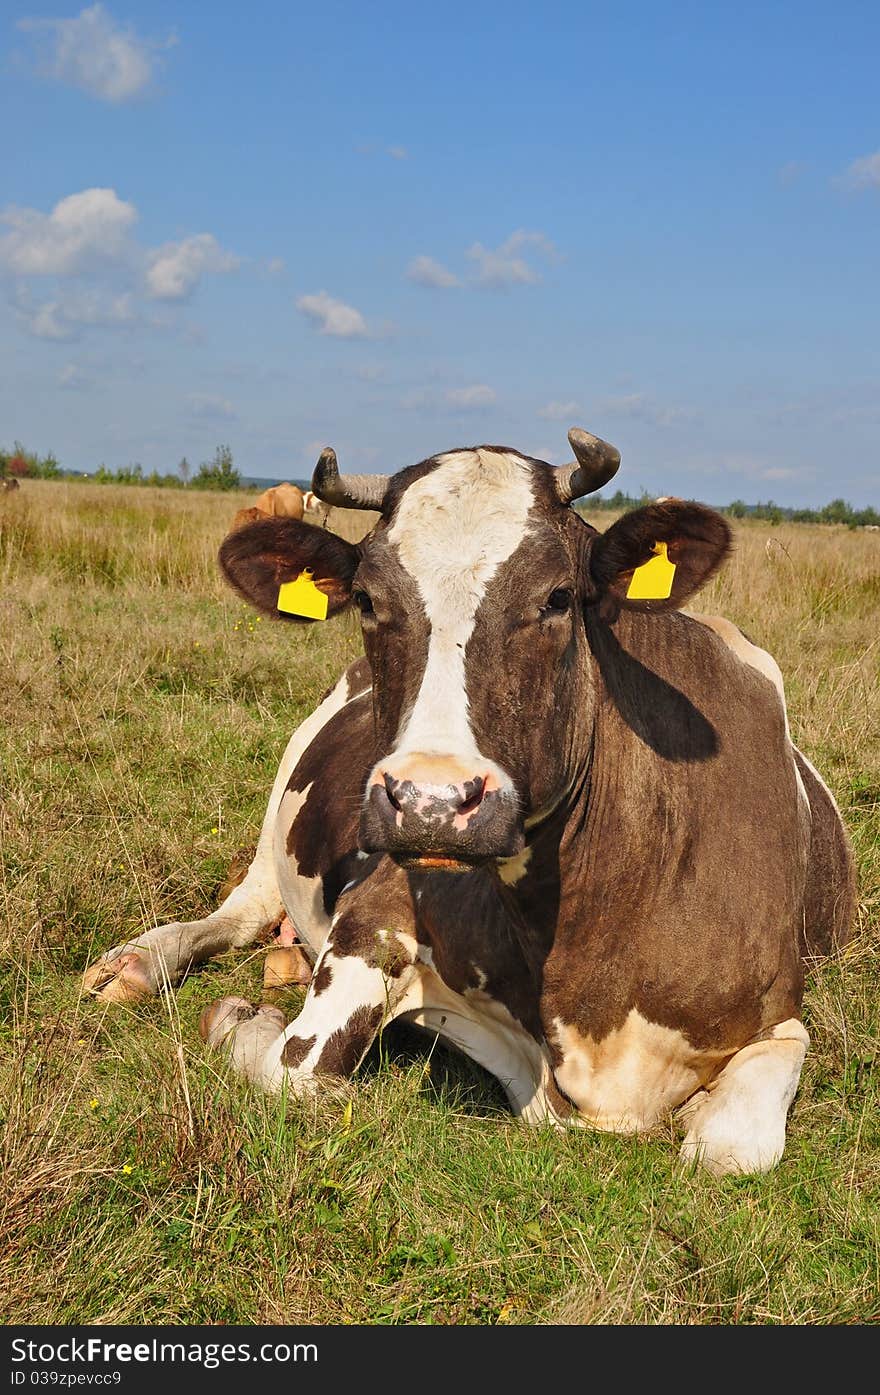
440 825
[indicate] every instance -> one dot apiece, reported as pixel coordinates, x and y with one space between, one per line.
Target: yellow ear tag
652 581
302 597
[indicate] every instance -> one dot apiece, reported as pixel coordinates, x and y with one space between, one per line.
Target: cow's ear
258 559
655 558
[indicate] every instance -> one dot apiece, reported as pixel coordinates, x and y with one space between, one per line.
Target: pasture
144 711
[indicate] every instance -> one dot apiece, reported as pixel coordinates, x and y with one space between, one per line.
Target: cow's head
473 590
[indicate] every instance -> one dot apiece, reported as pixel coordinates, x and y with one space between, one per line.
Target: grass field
144 711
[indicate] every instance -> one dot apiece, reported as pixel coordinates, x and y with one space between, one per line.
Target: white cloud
550 454
780 472
209 407
560 411
426 272
46 322
275 266
505 266
72 377
66 314
86 243
864 173
472 398
96 54
398 152
750 467
176 268
637 406
82 230
332 317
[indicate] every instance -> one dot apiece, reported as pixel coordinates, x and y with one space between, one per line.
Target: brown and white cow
564 828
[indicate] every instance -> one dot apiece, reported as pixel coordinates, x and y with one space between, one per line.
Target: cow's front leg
360 978
738 1123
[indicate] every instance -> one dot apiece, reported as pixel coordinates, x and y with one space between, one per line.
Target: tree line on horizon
217 473
220 473
837 511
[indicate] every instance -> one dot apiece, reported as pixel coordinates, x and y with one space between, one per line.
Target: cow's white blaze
454 528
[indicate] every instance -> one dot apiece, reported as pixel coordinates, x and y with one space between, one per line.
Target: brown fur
296 1049
345 1048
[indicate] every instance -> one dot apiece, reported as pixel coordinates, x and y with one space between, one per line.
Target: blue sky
399 229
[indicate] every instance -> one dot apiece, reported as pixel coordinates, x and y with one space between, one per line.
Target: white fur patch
512 869
739 1123
354 984
454 528
302 896
626 1081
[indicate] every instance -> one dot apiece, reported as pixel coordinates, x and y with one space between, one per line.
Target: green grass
144 712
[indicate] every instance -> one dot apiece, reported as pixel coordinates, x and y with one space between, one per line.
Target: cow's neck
534 885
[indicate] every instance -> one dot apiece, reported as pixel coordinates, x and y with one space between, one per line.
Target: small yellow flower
213 830
93 1104
127 1168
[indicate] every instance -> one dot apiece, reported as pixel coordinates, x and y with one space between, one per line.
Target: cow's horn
346 491
597 462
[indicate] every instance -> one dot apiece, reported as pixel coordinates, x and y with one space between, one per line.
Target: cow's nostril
390 786
474 791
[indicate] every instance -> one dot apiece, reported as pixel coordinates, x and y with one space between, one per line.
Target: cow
8 484
548 816
281 501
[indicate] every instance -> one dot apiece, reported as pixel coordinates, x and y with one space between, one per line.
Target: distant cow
549 816
8 484
281 501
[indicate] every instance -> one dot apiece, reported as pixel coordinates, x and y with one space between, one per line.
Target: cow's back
830 891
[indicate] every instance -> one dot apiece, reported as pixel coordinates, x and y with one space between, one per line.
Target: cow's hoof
222 1017
125 978
284 966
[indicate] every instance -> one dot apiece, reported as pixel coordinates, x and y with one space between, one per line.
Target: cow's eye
559 600
363 602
